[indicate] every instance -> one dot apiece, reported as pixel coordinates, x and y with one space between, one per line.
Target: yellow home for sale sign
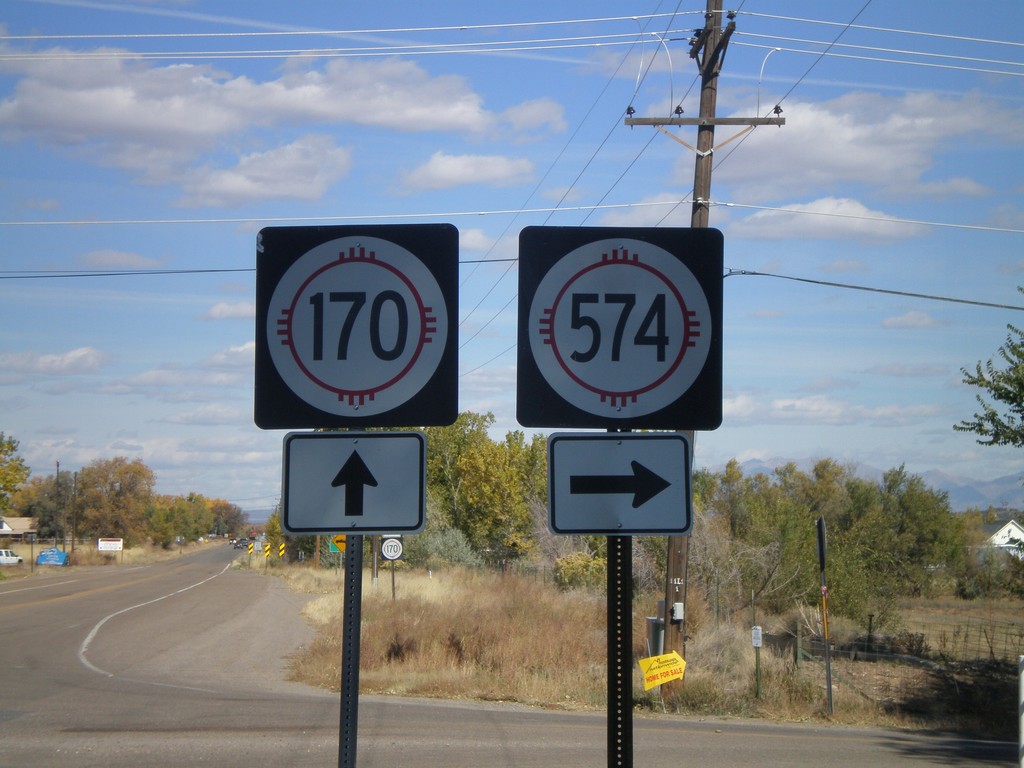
660 669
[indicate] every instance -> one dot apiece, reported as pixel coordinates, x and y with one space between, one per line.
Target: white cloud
210 415
302 170
157 120
75 361
474 240
242 356
535 114
844 266
175 378
664 209
109 258
444 171
817 410
877 141
826 218
241 310
909 370
912 319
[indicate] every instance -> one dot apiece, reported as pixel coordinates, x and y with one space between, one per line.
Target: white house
16 528
1006 535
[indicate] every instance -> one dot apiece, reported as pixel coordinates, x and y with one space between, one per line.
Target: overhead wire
499 212
568 189
343 32
870 289
533 192
568 42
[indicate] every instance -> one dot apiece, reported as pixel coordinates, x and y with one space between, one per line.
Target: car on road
7 557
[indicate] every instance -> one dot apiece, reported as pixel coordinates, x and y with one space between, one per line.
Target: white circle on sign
620 328
357 326
391 549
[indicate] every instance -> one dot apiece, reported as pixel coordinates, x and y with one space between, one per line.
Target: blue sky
163 135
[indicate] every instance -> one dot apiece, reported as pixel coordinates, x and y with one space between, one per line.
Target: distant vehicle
7 557
242 544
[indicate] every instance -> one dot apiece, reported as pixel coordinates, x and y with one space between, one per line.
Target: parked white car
7 557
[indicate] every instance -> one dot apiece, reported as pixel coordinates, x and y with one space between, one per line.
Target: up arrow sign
354 475
643 484
380 488
619 483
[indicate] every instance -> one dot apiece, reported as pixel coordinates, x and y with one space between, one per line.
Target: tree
447 447
113 496
38 498
228 518
496 513
1000 422
13 471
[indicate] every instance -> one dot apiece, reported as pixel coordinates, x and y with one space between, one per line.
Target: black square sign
620 328
356 326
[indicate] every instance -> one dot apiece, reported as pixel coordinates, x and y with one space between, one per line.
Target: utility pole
707 47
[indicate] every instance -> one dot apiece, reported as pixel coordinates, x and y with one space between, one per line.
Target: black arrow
354 475
643 484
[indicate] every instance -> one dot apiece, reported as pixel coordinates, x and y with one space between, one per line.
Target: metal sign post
824 611
620 652
351 618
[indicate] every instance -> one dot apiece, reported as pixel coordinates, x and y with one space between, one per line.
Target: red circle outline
421 310
632 394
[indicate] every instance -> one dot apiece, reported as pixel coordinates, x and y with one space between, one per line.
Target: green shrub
580 570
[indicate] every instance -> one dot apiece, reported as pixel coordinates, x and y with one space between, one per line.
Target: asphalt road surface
184 664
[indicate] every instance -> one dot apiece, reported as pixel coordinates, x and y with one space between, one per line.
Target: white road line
95 630
41 586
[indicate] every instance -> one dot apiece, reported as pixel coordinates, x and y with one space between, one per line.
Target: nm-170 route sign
620 328
356 326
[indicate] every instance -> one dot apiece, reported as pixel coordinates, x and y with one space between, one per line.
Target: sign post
824 611
619 328
355 328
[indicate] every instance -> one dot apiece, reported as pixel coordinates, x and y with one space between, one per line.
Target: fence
962 673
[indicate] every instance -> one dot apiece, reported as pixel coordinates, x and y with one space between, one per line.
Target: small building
1006 536
16 529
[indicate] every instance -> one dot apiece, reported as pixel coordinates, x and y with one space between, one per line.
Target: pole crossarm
705 121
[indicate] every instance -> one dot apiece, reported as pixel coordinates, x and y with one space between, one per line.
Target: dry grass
467 634
471 634
482 635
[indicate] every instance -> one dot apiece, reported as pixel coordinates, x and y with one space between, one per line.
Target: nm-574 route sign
355 326
620 328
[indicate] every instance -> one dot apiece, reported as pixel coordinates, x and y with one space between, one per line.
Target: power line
955 38
498 212
347 32
848 286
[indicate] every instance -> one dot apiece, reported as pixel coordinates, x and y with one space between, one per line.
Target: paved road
183 664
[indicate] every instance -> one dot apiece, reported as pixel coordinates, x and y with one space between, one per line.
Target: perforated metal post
620 651
350 625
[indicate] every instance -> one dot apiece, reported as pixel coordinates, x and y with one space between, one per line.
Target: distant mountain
964 493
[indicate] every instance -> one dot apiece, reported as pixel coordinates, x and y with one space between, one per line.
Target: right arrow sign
643 484
619 483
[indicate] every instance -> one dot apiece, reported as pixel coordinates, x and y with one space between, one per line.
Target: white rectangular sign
110 545
354 482
619 483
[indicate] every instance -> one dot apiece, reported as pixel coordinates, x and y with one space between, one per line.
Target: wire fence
958 672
